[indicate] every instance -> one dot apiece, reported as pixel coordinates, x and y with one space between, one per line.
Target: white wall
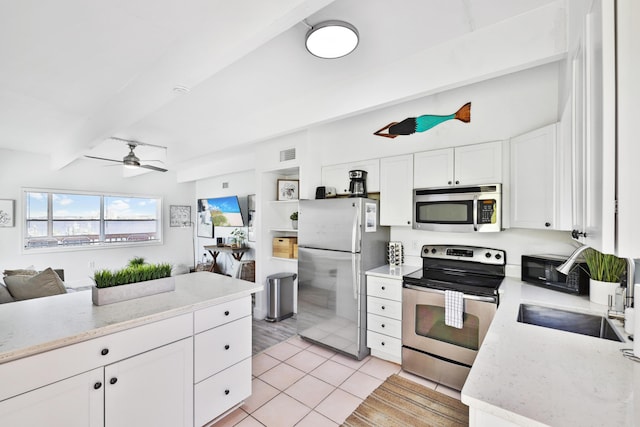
21 169
239 184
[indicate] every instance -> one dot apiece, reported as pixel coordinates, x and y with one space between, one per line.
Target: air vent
286 155
225 185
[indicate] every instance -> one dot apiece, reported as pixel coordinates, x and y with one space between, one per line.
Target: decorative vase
112 294
294 224
599 291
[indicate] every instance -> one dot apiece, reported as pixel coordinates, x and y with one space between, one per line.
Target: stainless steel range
431 348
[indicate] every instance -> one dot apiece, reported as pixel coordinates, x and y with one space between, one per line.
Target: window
64 219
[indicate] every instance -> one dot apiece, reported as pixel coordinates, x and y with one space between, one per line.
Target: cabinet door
433 168
373 173
336 176
73 402
396 190
153 388
533 179
478 164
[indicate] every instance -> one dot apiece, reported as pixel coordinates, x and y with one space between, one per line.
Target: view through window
62 219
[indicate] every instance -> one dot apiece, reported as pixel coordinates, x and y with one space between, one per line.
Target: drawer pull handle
383 288
383 307
113 380
97 385
226 313
104 351
226 347
383 325
226 392
382 342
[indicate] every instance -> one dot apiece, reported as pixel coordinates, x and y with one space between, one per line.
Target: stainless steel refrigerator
338 241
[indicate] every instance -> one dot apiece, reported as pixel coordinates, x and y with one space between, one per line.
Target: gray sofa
28 284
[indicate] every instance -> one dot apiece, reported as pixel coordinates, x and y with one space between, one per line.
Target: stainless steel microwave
458 209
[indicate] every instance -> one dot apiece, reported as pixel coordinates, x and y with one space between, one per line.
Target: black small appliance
541 270
321 192
358 184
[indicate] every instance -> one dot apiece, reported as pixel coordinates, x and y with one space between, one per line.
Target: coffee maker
358 184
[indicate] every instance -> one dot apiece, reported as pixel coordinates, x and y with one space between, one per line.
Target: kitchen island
527 375
176 358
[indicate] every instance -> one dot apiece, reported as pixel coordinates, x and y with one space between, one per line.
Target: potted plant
606 272
136 280
239 236
294 220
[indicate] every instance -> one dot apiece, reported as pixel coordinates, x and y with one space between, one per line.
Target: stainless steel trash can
280 296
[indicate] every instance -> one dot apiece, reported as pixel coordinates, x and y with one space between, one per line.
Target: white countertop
533 376
37 325
393 272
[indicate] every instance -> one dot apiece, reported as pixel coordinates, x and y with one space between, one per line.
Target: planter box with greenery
134 281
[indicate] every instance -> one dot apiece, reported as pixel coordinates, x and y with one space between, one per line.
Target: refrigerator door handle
356 227
355 271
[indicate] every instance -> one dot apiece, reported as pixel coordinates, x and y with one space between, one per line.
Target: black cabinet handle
383 343
97 385
408 222
576 233
547 224
226 313
457 182
383 307
226 392
104 351
382 325
113 380
449 182
383 288
226 347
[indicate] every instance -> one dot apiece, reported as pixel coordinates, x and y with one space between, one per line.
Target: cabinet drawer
384 307
384 343
384 325
384 288
220 314
221 347
221 392
35 371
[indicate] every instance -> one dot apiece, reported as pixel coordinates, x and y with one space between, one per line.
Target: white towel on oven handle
453 308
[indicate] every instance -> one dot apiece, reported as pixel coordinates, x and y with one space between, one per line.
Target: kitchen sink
569 321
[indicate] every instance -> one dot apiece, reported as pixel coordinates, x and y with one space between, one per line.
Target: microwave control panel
487 213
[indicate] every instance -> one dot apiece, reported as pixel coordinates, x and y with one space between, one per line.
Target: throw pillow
41 285
5 296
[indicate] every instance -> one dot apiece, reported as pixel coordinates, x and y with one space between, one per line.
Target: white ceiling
76 72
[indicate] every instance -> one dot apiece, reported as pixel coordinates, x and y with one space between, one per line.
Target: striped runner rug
401 402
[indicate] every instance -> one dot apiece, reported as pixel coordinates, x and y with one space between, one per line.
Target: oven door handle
439 291
475 213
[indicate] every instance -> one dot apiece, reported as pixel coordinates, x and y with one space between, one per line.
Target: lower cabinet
158 374
384 318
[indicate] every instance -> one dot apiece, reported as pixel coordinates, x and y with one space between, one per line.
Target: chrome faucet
565 268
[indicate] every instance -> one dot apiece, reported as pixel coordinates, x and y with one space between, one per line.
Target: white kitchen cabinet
384 317
465 165
73 402
396 190
538 198
338 175
222 358
154 388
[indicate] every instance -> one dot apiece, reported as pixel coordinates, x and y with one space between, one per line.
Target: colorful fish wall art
412 125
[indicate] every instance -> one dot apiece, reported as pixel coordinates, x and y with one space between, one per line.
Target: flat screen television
219 212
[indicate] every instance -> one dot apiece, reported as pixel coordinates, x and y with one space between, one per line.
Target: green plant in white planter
134 281
294 220
606 272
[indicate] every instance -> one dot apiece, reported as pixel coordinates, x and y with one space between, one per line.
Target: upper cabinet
539 187
396 190
337 176
465 165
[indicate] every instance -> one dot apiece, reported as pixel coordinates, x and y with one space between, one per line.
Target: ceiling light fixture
332 39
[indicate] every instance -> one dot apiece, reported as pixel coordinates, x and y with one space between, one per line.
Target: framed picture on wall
179 216
7 213
288 189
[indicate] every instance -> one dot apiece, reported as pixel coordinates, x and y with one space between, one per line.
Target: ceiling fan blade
102 158
154 168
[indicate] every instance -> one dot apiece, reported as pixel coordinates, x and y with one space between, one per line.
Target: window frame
101 243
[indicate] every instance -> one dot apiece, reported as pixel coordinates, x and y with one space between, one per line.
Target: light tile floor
296 383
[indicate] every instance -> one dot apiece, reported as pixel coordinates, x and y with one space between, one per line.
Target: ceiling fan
131 160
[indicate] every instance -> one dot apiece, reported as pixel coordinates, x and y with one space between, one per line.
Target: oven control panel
465 253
